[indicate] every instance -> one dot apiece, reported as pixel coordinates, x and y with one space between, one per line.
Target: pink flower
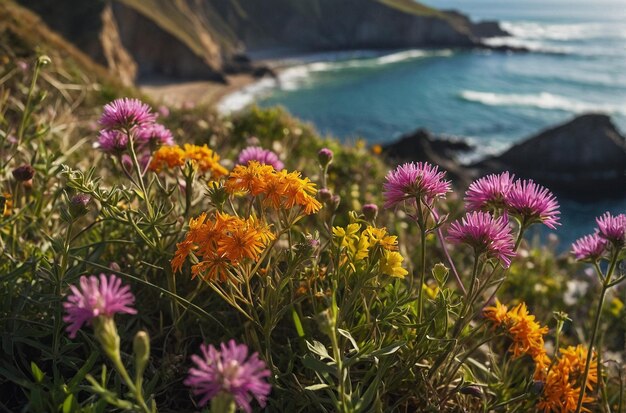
154 134
533 203
95 298
489 192
485 234
229 370
263 156
414 180
112 141
589 247
126 113
612 228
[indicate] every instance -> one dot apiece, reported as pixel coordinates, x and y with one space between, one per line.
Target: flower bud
106 333
325 195
141 348
79 205
325 157
43 60
370 211
23 173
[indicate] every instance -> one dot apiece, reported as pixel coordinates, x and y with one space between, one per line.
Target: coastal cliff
206 39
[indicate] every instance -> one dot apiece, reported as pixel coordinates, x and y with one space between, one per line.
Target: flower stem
594 332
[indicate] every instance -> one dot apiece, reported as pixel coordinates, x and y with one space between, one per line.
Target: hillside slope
205 38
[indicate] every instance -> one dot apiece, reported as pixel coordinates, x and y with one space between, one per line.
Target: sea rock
582 158
422 146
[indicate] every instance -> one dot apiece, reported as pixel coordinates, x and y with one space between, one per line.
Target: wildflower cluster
279 189
220 241
526 333
562 385
523 199
360 245
610 234
127 121
262 156
200 156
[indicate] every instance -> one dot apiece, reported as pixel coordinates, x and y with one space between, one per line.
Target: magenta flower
263 156
231 371
154 134
533 203
112 141
612 228
126 113
590 247
414 180
96 297
485 234
325 156
489 192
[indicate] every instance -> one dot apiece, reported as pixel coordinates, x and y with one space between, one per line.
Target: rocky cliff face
203 39
585 157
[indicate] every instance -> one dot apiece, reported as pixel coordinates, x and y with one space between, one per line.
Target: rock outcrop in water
582 158
422 146
206 39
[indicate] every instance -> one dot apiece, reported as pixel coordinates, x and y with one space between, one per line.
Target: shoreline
195 92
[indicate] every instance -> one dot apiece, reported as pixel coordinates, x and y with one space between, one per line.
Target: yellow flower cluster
203 157
219 242
358 245
562 385
280 189
526 333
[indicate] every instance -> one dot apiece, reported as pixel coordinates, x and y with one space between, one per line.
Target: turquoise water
577 64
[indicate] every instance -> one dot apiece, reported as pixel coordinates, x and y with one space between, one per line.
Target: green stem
142 185
420 295
27 106
594 333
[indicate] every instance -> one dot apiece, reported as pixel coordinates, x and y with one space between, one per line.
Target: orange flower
279 189
526 333
203 157
562 388
221 241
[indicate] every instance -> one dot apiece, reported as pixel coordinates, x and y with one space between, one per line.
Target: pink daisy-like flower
590 247
262 156
95 298
489 192
533 203
155 134
612 228
112 141
411 180
229 370
485 234
126 113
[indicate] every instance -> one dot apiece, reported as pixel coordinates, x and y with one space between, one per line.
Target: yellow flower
379 236
391 264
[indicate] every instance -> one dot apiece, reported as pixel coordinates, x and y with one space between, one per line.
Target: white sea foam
541 100
298 76
245 96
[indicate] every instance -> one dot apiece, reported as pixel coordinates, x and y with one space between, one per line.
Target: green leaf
347 335
319 386
319 349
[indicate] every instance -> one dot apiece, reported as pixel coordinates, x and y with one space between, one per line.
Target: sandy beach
199 92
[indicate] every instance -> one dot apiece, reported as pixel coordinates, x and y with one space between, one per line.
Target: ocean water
577 64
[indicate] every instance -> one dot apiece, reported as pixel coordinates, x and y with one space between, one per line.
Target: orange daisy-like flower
172 156
562 384
526 333
219 242
280 189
